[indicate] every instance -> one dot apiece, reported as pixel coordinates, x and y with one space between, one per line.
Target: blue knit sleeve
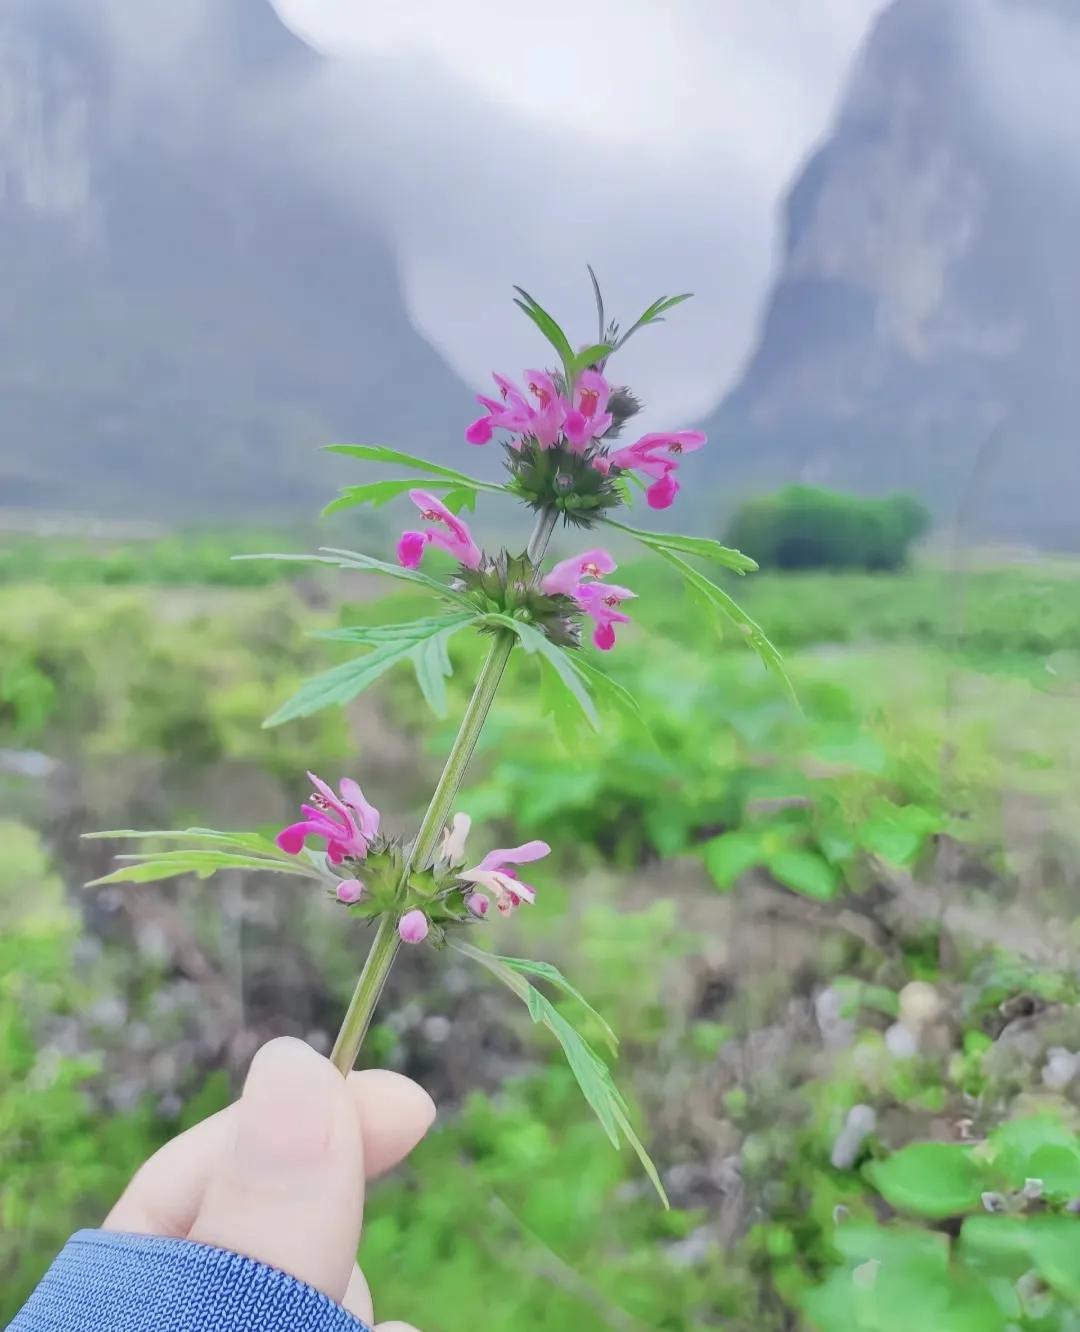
104 1282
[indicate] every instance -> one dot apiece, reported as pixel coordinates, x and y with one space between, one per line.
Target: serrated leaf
552 974
342 683
727 606
534 641
375 493
607 691
352 559
592 1074
431 662
703 547
377 453
377 634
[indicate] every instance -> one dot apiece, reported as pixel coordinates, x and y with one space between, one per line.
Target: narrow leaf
726 605
653 315
704 547
376 453
552 974
592 1074
591 355
169 864
600 324
377 634
375 493
547 325
532 640
351 559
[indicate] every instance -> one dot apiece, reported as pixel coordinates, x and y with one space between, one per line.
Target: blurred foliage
806 527
837 944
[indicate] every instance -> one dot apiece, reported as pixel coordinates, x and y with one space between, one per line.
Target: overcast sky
505 142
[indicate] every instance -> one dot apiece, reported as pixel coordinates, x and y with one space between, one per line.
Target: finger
357 1298
395 1327
395 1113
164 1196
289 1189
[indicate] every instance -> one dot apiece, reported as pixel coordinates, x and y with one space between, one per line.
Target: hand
279 1175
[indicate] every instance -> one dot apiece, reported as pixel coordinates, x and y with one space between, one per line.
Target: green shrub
805 527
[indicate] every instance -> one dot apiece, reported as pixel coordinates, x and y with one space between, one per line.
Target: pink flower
513 412
456 538
658 456
350 891
413 927
347 823
600 601
588 418
567 575
452 847
495 876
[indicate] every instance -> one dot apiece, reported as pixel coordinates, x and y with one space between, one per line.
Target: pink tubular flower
456 538
658 456
413 927
495 876
600 601
347 823
513 412
566 576
589 417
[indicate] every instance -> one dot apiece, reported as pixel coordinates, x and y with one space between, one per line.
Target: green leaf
609 692
704 547
377 634
730 855
533 641
352 559
342 683
727 606
376 453
805 872
592 1074
548 327
932 1179
168 864
554 976
375 493
600 324
590 355
653 315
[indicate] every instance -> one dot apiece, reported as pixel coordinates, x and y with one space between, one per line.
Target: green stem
385 945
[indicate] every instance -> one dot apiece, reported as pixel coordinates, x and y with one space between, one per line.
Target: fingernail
287 1107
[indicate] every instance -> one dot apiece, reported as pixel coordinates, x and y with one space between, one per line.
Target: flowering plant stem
385 945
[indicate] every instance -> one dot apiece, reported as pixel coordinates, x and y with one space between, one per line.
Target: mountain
188 312
923 330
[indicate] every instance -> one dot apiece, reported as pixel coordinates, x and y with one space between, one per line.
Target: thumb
289 1189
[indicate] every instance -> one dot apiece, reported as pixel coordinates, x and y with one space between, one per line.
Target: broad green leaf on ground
932 1179
211 851
352 559
730 855
805 872
703 547
425 648
552 974
376 453
592 1074
534 641
550 329
1013 1245
728 607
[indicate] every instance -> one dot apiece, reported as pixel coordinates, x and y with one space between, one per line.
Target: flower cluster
581 423
442 894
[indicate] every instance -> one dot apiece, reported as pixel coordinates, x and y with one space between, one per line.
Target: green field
747 890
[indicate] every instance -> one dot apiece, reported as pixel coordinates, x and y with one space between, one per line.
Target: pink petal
413 927
661 494
410 549
291 839
367 814
604 637
480 431
515 855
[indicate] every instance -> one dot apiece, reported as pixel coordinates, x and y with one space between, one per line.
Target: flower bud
350 891
413 927
478 904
